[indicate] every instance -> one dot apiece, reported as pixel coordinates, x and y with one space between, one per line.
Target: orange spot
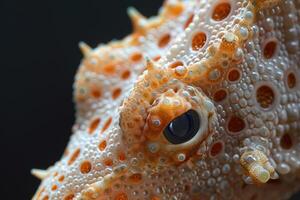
187 23
164 40
85 167
46 197
220 95
270 49
74 156
122 156
286 141
69 197
102 145
94 125
125 75
216 149
156 58
234 75
265 96
54 187
55 174
291 80
107 124
116 93
121 196
221 11
109 69
176 64
135 178
236 124
61 178
198 41
108 162
154 84
136 57
96 94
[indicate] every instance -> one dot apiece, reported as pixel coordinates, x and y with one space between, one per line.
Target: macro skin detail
230 68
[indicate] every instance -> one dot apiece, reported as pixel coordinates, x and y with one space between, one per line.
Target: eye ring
183 128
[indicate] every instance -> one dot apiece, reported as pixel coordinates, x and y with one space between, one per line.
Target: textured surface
236 64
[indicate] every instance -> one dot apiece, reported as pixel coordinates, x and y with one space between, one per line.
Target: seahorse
200 102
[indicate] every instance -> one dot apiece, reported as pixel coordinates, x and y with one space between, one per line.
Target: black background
39 58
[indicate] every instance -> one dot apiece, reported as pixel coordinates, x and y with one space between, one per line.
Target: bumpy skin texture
234 62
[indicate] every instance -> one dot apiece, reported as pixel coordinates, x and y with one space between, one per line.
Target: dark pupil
183 128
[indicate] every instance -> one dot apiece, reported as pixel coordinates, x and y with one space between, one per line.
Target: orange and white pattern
200 102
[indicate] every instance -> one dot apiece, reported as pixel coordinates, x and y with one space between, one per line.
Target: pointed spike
40 173
85 49
134 14
149 64
137 19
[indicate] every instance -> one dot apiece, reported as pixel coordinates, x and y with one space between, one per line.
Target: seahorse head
187 112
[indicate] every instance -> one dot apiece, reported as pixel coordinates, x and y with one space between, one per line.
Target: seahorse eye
183 128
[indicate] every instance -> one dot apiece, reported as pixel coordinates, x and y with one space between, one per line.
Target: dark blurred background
39 58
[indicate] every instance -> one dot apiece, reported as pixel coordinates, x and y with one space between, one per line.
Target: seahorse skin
235 62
